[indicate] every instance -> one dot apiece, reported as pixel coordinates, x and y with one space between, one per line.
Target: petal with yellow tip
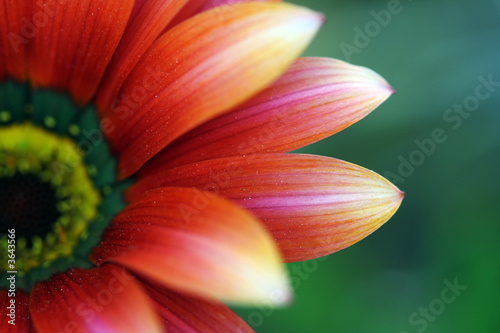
198 243
315 98
312 205
194 7
202 68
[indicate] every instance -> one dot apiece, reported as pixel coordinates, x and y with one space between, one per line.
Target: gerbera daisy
144 166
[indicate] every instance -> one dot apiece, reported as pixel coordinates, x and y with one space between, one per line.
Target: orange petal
202 68
72 48
105 299
147 22
315 98
186 314
194 7
312 205
198 243
15 317
16 31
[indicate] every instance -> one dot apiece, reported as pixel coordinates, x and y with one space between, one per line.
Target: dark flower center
27 205
58 183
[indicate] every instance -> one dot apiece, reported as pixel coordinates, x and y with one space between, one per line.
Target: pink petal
315 98
186 314
312 205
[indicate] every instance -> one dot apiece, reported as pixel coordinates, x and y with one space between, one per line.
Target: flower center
28 204
58 187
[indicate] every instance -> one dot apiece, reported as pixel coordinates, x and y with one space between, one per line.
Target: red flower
199 102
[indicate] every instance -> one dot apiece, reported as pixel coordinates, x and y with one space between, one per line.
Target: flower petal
198 243
312 205
105 299
315 98
202 68
217 3
146 24
186 314
19 320
194 7
15 34
74 42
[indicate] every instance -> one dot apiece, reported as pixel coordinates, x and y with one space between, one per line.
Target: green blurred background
448 227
